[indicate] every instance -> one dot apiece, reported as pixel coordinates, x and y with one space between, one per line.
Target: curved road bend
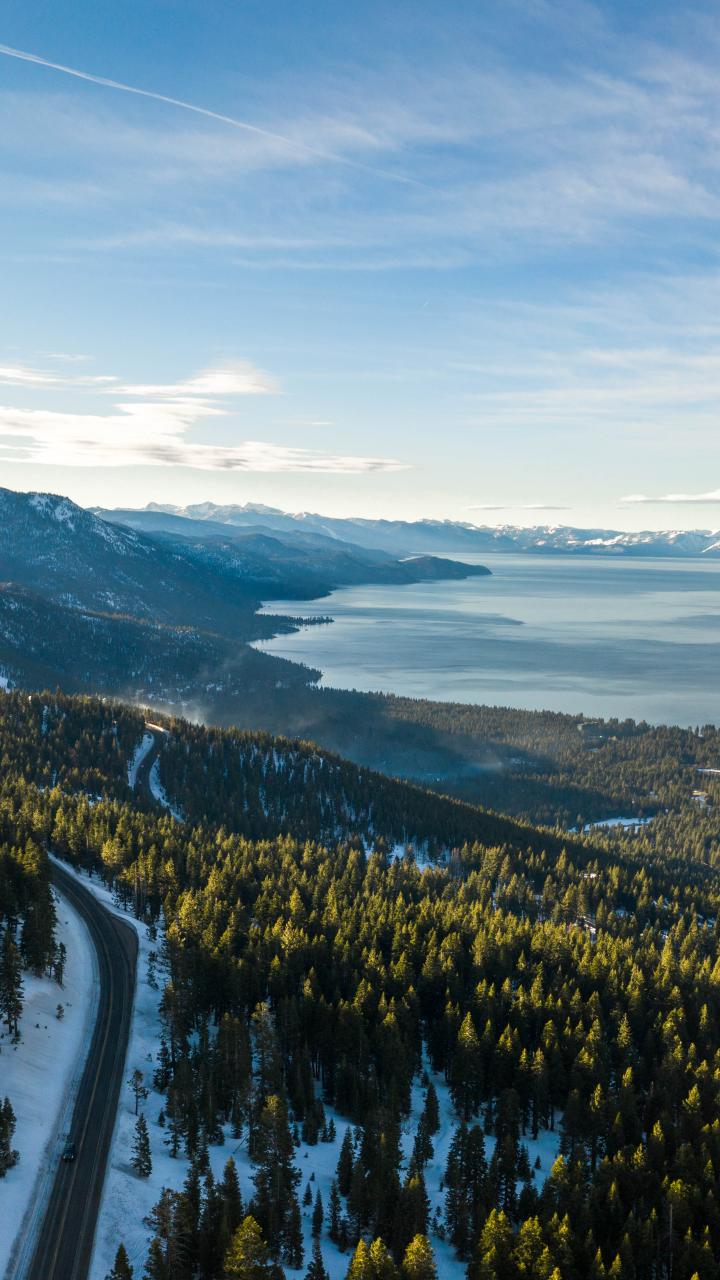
142 779
65 1242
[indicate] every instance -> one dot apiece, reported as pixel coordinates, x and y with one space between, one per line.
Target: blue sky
444 259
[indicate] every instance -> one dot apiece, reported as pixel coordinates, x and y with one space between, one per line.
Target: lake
606 637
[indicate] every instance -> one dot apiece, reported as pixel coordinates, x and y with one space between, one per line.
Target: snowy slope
40 1075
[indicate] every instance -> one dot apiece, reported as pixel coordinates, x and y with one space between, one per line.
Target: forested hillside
564 988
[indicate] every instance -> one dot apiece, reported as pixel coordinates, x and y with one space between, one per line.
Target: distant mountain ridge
404 537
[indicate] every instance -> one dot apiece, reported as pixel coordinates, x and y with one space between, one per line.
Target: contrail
9 52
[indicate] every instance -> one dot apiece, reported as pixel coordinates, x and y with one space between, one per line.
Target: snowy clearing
606 824
40 1075
618 822
141 752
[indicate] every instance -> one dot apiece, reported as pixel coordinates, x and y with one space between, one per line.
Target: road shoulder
42 1076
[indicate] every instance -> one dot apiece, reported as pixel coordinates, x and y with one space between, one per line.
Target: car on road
69 1152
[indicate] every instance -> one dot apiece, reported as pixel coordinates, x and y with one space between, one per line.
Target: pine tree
186 1224
494 1254
8 1156
467 1074
141 1159
423 1150
413 1212
431 1110
335 1213
419 1260
531 1254
213 1236
316 1270
382 1266
248 1257
345 1164
162 1074
121 1268
275 1203
318 1215
156 1268
59 964
137 1085
231 1197
293 1251
361 1267
11 984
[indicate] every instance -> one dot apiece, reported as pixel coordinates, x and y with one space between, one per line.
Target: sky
420 259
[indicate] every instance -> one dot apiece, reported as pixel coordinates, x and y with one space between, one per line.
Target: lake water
605 637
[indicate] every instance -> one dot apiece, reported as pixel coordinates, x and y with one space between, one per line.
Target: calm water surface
605 637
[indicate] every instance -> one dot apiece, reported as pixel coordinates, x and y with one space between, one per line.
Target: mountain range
405 538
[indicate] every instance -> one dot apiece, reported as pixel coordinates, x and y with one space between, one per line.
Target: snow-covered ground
128 1199
618 822
40 1075
628 824
141 751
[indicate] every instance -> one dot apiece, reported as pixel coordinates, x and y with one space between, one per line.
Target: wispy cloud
238 379
22 376
138 434
612 152
613 388
674 499
152 426
293 144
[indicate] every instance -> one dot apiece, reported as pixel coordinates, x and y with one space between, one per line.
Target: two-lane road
65 1242
144 769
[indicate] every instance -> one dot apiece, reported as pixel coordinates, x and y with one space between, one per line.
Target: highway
65 1240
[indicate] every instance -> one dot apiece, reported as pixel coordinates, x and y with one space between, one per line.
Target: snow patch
630 824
